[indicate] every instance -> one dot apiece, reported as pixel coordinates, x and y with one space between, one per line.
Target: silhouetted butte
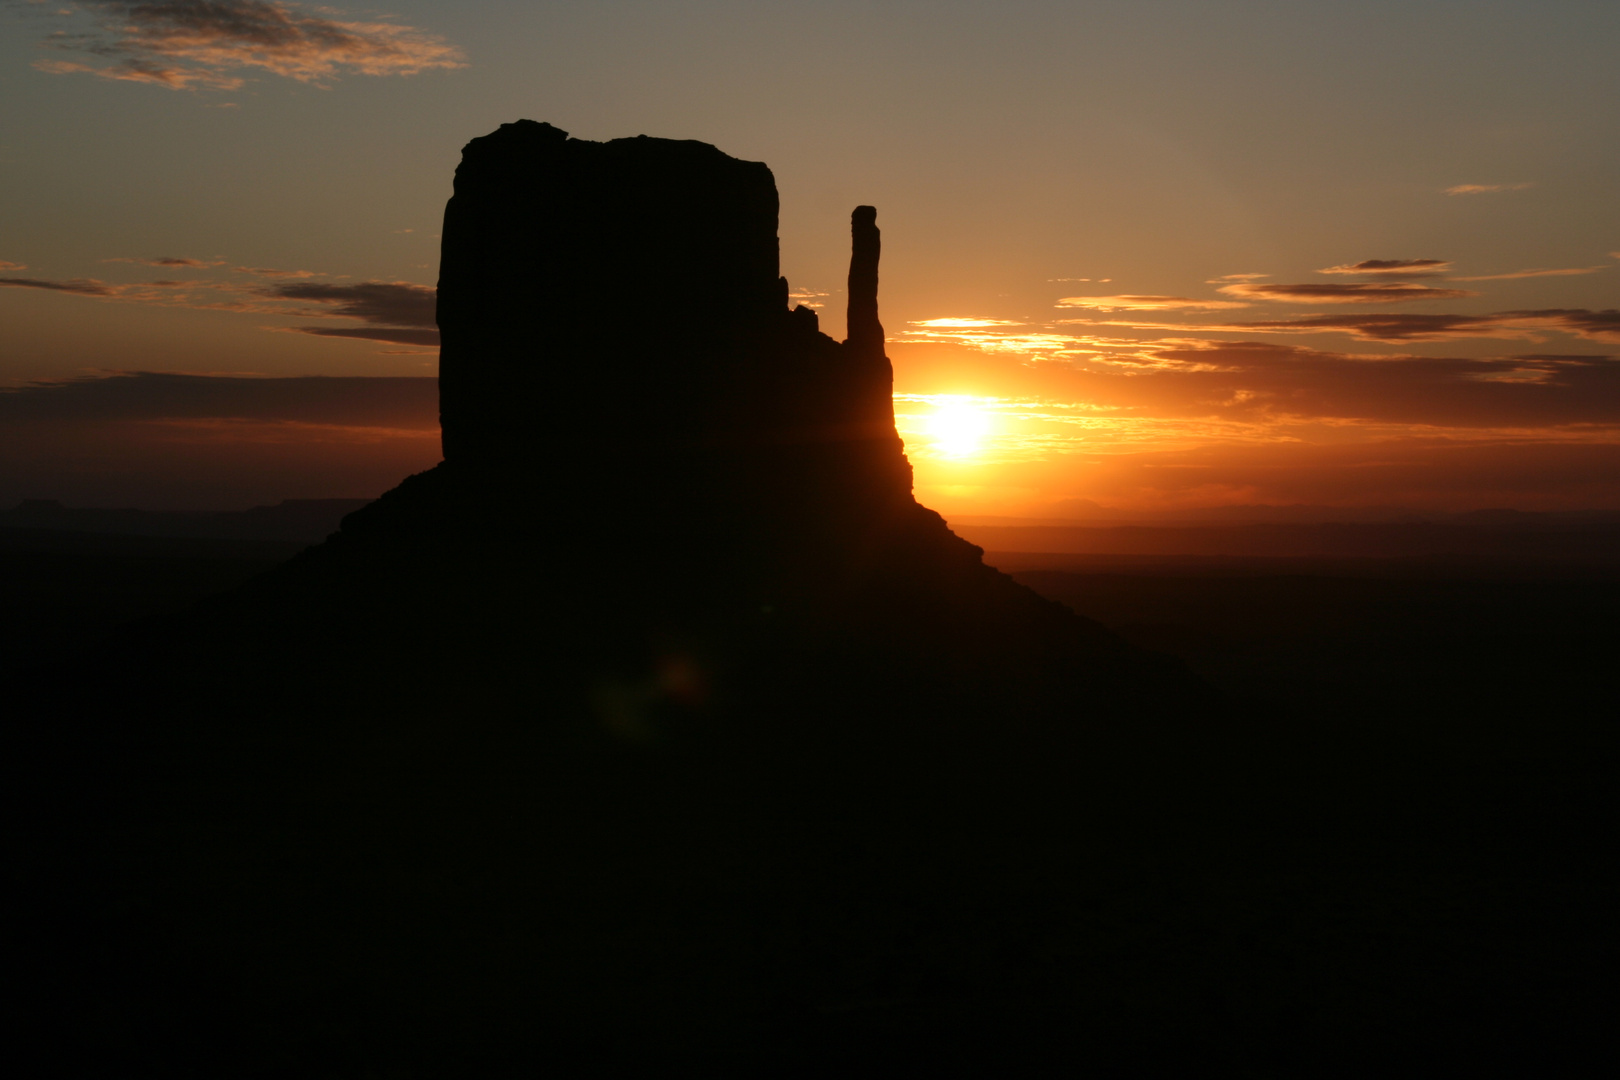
658 717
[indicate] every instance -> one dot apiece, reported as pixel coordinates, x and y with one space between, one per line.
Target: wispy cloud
398 312
4 265
272 272
989 335
1485 189
1388 268
170 261
1131 387
394 403
1001 338
187 44
1597 325
1224 278
1376 292
1528 325
81 286
810 298
395 303
1289 381
1393 326
963 324
1572 272
394 335
1145 303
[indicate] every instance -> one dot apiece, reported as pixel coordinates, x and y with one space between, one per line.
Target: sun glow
958 425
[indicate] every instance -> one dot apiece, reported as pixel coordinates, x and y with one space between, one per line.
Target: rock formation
657 717
613 313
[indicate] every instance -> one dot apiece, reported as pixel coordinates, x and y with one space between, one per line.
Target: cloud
1485 189
136 69
387 402
1159 393
962 324
394 335
397 312
1377 292
1579 322
809 298
988 336
81 286
159 292
186 44
163 291
392 303
1392 326
1403 326
1235 277
169 260
4 265
272 272
170 441
1597 325
1391 267
1290 381
1144 303
1572 272
394 311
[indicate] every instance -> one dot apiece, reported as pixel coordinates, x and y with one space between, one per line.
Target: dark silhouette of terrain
1479 537
64 591
305 521
1343 643
660 726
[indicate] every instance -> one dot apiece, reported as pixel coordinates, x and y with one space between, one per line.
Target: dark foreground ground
1411 872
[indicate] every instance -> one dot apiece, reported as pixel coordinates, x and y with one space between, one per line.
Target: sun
958 426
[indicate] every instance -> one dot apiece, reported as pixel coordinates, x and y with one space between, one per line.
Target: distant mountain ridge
1304 531
1296 514
1491 534
306 520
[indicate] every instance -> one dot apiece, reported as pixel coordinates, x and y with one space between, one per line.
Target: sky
1138 256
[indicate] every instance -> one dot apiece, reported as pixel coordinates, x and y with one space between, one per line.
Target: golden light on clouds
988 335
1147 303
191 46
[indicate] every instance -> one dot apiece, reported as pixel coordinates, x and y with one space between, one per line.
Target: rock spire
865 332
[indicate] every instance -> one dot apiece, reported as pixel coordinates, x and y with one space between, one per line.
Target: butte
659 719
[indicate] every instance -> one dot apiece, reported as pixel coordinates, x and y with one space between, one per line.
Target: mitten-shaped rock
613 318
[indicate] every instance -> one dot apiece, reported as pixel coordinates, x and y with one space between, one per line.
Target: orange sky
1141 256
